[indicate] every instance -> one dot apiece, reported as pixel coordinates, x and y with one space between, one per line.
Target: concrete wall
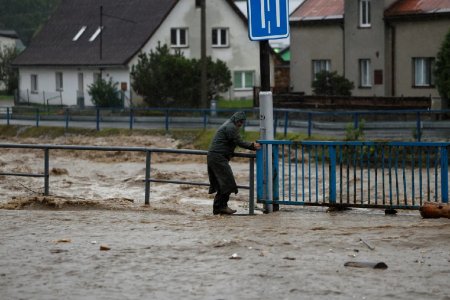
432 34
310 43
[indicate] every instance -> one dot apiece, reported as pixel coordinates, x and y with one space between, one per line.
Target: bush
171 80
442 70
332 84
105 93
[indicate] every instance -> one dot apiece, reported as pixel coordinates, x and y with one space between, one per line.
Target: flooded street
50 247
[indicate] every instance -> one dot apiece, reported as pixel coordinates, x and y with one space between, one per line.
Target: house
385 47
87 39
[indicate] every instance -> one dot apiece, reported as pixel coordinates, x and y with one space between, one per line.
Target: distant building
72 49
386 47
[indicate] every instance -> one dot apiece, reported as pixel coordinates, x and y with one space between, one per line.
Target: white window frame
423 71
365 73
244 84
220 33
178 32
319 65
364 13
59 84
34 87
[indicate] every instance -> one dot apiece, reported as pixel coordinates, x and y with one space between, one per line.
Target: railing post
309 124
260 174
67 118
251 201
167 119
275 179
444 174
147 177
418 127
332 177
286 120
7 115
205 118
46 173
131 119
37 117
97 119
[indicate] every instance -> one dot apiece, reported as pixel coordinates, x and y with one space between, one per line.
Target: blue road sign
268 19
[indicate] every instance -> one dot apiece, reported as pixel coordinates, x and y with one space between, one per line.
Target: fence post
251 202
97 119
67 118
167 119
418 127
7 115
444 174
205 118
275 179
309 124
260 173
332 183
286 120
147 177
46 175
37 117
131 119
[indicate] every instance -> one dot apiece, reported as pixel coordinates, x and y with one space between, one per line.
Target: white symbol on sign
263 14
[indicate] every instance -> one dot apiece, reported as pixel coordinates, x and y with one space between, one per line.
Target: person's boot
226 211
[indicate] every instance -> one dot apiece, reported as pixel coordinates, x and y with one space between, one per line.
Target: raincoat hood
239 116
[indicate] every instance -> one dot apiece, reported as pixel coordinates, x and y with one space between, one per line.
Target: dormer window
96 33
80 32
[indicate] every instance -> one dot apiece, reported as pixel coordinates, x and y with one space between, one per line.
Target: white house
85 39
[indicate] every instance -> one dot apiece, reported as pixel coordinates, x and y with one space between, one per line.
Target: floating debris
235 256
104 247
372 265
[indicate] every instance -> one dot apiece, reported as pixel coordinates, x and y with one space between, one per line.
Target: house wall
310 43
241 55
69 94
365 43
431 34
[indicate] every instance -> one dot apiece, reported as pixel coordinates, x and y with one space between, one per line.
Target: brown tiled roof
128 25
315 10
418 7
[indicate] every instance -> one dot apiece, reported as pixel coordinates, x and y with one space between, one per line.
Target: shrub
105 93
332 84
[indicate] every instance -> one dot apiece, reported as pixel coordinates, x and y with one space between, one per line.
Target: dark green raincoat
220 151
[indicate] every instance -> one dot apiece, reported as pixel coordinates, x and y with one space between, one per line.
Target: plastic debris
235 256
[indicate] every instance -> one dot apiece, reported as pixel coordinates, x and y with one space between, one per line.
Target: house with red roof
87 39
385 47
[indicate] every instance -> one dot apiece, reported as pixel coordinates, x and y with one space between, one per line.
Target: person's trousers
221 200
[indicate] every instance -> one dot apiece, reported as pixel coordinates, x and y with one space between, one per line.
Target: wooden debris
434 210
372 265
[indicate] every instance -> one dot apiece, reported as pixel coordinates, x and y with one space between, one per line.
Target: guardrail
357 174
148 154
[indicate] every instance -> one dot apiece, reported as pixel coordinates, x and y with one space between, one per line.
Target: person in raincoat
220 151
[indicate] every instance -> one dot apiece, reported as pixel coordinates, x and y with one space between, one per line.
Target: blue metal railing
284 119
148 155
358 174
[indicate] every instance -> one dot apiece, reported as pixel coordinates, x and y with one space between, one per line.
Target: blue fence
415 121
358 174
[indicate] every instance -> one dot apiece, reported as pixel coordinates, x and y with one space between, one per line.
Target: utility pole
203 88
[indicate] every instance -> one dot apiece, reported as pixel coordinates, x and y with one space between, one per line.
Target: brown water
176 249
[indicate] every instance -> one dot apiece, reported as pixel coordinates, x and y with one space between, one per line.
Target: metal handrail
147 151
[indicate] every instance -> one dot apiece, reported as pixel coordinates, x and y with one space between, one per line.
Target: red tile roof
409 7
318 10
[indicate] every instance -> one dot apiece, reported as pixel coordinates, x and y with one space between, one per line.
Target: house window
80 32
34 83
243 79
423 71
220 37
364 13
96 33
59 81
365 79
320 65
178 37
97 77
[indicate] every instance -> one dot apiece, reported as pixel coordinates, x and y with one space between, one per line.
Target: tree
332 84
8 75
169 80
442 70
105 93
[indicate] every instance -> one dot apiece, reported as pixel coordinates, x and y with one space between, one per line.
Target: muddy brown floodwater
50 247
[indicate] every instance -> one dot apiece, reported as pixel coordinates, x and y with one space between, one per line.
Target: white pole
266 133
